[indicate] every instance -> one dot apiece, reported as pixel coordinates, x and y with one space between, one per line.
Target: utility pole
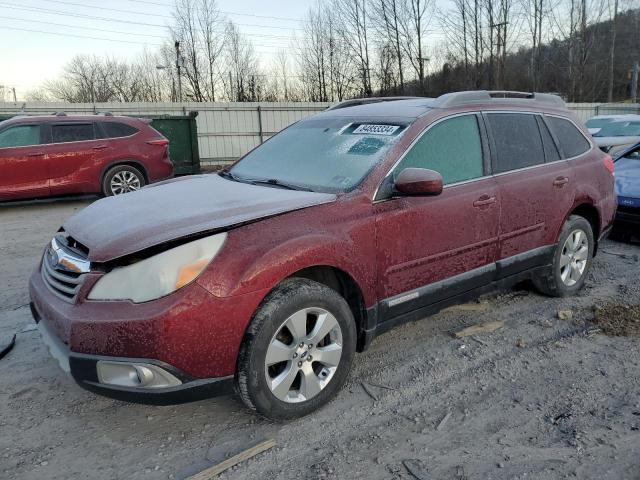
178 68
13 89
500 43
634 82
422 70
231 98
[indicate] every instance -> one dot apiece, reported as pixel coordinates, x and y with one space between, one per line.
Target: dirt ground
541 397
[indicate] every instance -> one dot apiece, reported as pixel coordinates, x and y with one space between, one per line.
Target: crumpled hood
118 226
628 177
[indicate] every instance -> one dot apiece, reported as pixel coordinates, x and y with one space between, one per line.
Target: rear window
116 129
20 136
572 141
76 132
517 141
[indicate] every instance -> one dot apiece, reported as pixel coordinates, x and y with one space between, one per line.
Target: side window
116 129
72 132
517 141
551 153
452 147
572 141
20 136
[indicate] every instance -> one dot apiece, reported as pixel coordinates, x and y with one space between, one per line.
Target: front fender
247 264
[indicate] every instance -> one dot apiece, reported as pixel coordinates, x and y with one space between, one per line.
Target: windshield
325 154
598 122
619 129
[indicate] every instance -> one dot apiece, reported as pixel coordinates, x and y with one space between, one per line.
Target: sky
120 28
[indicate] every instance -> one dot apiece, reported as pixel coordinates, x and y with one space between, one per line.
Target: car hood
117 226
615 141
628 177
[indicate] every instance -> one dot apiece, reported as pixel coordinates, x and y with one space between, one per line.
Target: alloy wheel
574 256
124 182
303 355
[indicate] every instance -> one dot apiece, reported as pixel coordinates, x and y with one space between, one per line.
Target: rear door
24 168
73 156
536 187
432 248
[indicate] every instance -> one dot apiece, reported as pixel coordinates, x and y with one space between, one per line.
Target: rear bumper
83 368
629 217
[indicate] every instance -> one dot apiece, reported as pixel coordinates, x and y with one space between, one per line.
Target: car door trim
428 299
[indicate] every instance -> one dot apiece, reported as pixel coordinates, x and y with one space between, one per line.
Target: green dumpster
182 134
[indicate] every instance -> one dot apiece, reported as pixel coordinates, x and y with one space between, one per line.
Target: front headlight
159 275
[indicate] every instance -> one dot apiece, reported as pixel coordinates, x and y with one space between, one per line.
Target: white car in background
616 135
595 124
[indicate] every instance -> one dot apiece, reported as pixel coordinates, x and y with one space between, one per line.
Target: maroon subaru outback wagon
269 276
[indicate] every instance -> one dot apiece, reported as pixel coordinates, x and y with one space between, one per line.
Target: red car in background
59 154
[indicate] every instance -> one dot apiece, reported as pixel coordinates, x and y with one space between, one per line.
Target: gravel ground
542 397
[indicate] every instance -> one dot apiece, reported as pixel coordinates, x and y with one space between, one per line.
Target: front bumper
83 368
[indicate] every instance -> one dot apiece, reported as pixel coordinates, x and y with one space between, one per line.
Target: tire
130 178
309 301
563 280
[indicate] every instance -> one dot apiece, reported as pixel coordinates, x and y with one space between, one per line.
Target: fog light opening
137 375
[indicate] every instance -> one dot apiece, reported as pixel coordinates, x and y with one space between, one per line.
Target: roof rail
481 96
364 101
104 114
59 114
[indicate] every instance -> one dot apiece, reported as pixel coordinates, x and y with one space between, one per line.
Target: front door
432 248
24 171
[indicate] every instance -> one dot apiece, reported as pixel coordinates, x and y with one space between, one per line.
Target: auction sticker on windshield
377 129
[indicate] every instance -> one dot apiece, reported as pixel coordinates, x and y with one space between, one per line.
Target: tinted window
551 153
452 147
76 132
115 129
20 136
517 140
572 142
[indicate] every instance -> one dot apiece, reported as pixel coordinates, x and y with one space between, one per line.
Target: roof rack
104 114
364 101
59 114
482 96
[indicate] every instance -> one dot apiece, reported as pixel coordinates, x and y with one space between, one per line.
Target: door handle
35 154
484 200
560 182
100 147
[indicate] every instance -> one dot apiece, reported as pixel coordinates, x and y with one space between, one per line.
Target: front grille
63 269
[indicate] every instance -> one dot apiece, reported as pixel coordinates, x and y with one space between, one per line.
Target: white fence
226 131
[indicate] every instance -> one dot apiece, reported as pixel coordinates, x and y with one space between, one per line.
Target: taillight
608 164
159 141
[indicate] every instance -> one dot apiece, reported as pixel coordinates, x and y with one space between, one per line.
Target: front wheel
297 351
572 259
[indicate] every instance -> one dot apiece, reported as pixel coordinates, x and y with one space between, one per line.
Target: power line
112 20
80 36
84 28
288 19
135 12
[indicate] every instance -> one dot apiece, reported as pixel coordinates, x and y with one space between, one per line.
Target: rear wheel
297 351
571 261
122 179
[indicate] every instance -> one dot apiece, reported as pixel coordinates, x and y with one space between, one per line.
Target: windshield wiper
277 183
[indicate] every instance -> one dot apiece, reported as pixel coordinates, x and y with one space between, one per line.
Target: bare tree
245 83
612 49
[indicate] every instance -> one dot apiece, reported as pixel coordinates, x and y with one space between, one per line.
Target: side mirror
419 181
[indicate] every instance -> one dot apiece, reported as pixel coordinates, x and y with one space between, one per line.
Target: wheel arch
343 283
590 213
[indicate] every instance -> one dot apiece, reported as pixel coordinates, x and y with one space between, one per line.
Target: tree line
581 49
